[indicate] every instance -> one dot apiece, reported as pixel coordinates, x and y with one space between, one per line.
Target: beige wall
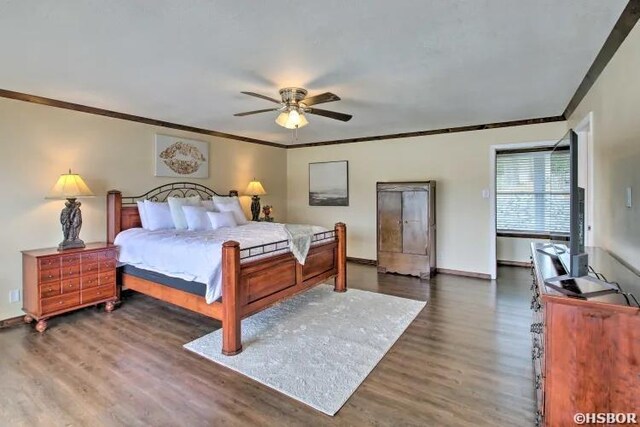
515 248
458 162
615 102
38 143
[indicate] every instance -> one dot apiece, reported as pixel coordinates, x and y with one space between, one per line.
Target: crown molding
621 30
129 117
432 132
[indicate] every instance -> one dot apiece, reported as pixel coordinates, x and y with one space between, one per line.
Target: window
532 191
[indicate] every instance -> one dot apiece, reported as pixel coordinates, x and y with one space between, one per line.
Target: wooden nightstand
56 282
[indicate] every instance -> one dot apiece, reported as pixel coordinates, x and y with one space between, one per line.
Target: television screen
568 197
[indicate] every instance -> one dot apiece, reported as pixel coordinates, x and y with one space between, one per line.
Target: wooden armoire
407 228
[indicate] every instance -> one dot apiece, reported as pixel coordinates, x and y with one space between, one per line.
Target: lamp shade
292 120
69 186
255 188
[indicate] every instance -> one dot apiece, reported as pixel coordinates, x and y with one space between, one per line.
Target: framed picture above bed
180 157
329 183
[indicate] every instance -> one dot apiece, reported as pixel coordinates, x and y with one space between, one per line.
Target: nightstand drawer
98 293
67 260
89 268
70 271
70 285
90 281
107 278
61 302
52 275
49 262
49 289
107 265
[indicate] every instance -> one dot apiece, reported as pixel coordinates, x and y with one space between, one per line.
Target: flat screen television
565 155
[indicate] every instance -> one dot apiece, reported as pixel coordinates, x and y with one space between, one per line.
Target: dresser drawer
51 275
90 281
107 264
90 257
110 254
49 289
98 293
67 260
60 302
68 271
107 278
70 285
49 262
89 267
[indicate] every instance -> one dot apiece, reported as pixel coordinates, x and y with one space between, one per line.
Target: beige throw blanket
300 236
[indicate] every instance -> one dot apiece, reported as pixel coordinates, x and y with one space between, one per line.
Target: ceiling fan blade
331 114
320 99
248 113
257 95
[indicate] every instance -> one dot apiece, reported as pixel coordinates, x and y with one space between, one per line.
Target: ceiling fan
295 104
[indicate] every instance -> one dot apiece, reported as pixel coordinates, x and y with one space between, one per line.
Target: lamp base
255 208
71 220
71 244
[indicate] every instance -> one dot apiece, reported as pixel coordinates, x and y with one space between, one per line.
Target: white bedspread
193 255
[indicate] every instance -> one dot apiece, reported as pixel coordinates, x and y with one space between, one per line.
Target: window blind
532 191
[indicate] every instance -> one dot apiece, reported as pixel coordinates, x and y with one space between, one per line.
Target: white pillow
196 217
176 204
158 215
221 219
230 204
143 214
209 205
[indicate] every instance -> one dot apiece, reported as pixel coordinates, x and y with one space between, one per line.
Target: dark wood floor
464 361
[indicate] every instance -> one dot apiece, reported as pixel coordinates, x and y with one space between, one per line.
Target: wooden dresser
585 353
56 282
407 228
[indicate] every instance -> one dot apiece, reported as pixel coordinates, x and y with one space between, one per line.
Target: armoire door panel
390 221
415 219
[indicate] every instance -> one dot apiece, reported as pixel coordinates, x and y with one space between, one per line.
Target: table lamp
70 186
255 190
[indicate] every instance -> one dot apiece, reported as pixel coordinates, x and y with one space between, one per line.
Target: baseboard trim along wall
12 321
472 274
515 263
363 261
484 276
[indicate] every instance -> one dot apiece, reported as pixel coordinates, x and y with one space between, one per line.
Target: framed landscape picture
329 183
180 157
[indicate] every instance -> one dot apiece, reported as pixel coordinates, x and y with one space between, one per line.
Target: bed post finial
231 316
341 237
114 214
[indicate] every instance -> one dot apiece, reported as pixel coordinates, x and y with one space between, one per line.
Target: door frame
584 129
493 237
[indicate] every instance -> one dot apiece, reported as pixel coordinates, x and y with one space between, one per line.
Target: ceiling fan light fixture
292 119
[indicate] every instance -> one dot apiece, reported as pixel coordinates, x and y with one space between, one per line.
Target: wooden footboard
250 282
250 287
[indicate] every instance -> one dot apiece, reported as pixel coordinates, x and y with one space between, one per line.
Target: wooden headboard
122 211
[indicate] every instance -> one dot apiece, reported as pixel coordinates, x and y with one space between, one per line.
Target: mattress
193 256
195 288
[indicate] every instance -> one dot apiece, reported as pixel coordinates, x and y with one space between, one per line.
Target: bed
251 277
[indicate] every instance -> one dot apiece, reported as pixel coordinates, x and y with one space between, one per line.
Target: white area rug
318 346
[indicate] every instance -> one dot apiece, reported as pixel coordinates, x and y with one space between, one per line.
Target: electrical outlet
629 197
14 296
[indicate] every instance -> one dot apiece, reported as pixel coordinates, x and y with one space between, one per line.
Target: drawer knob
50 276
59 302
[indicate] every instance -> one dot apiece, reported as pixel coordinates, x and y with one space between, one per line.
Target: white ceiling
399 66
